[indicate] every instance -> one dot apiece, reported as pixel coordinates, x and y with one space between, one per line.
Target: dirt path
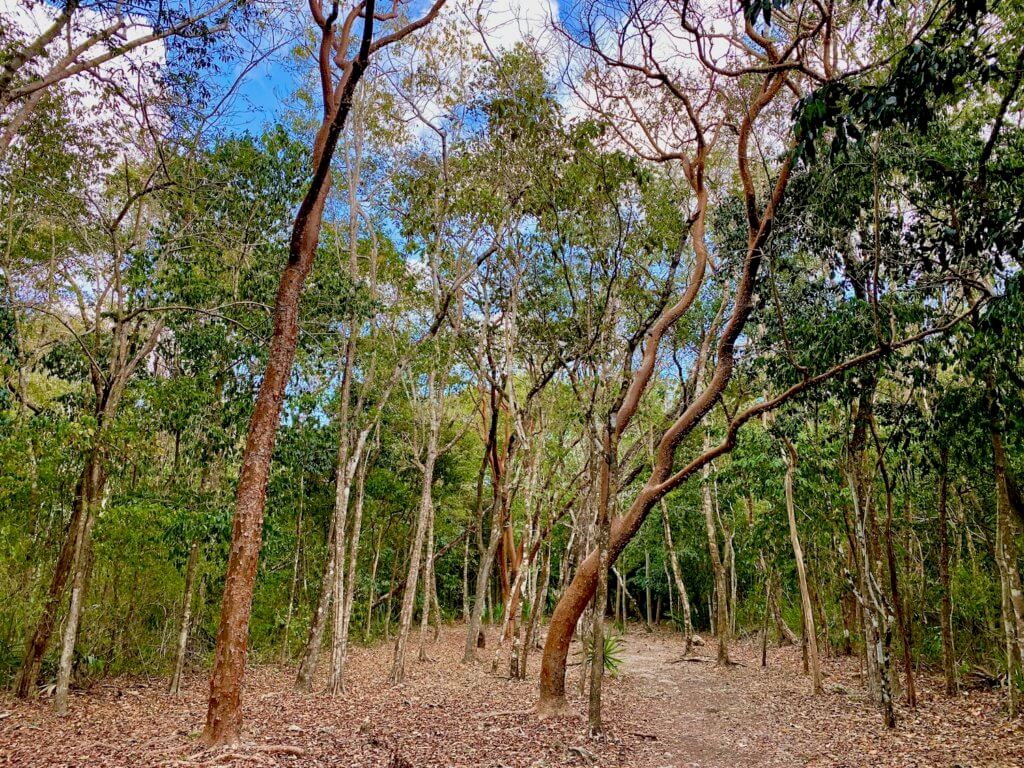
660 711
708 717
694 712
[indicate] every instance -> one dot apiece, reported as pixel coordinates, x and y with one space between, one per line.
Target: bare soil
660 711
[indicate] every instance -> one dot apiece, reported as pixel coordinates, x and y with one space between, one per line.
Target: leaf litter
658 713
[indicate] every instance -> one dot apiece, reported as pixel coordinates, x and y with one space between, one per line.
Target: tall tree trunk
733 582
721 616
344 473
606 502
377 544
35 649
391 593
647 589
806 608
902 620
536 611
862 540
346 596
293 589
349 457
465 579
684 599
422 521
597 632
224 714
489 552
1007 557
428 583
75 606
483 577
946 608
186 618
318 623
877 618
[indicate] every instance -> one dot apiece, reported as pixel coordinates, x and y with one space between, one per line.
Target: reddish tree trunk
224 716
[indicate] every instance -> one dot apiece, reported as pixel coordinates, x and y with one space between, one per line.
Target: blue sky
264 92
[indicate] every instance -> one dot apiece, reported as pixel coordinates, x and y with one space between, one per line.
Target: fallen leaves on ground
658 713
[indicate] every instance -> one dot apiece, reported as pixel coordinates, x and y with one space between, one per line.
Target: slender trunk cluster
426 511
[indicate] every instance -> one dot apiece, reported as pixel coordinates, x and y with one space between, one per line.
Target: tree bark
83 549
875 610
318 624
902 620
353 560
606 502
428 583
422 521
483 576
293 589
35 649
536 611
647 589
806 608
684 598
721 617
663 478
224 715
1007 557
349 457
946 608
186 618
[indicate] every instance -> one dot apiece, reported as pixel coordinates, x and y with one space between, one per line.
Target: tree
224 717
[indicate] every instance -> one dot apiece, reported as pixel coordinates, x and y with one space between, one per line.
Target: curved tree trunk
576 596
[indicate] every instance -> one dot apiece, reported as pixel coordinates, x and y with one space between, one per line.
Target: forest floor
660 711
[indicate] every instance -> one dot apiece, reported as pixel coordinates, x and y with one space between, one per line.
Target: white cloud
508 22
452 49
